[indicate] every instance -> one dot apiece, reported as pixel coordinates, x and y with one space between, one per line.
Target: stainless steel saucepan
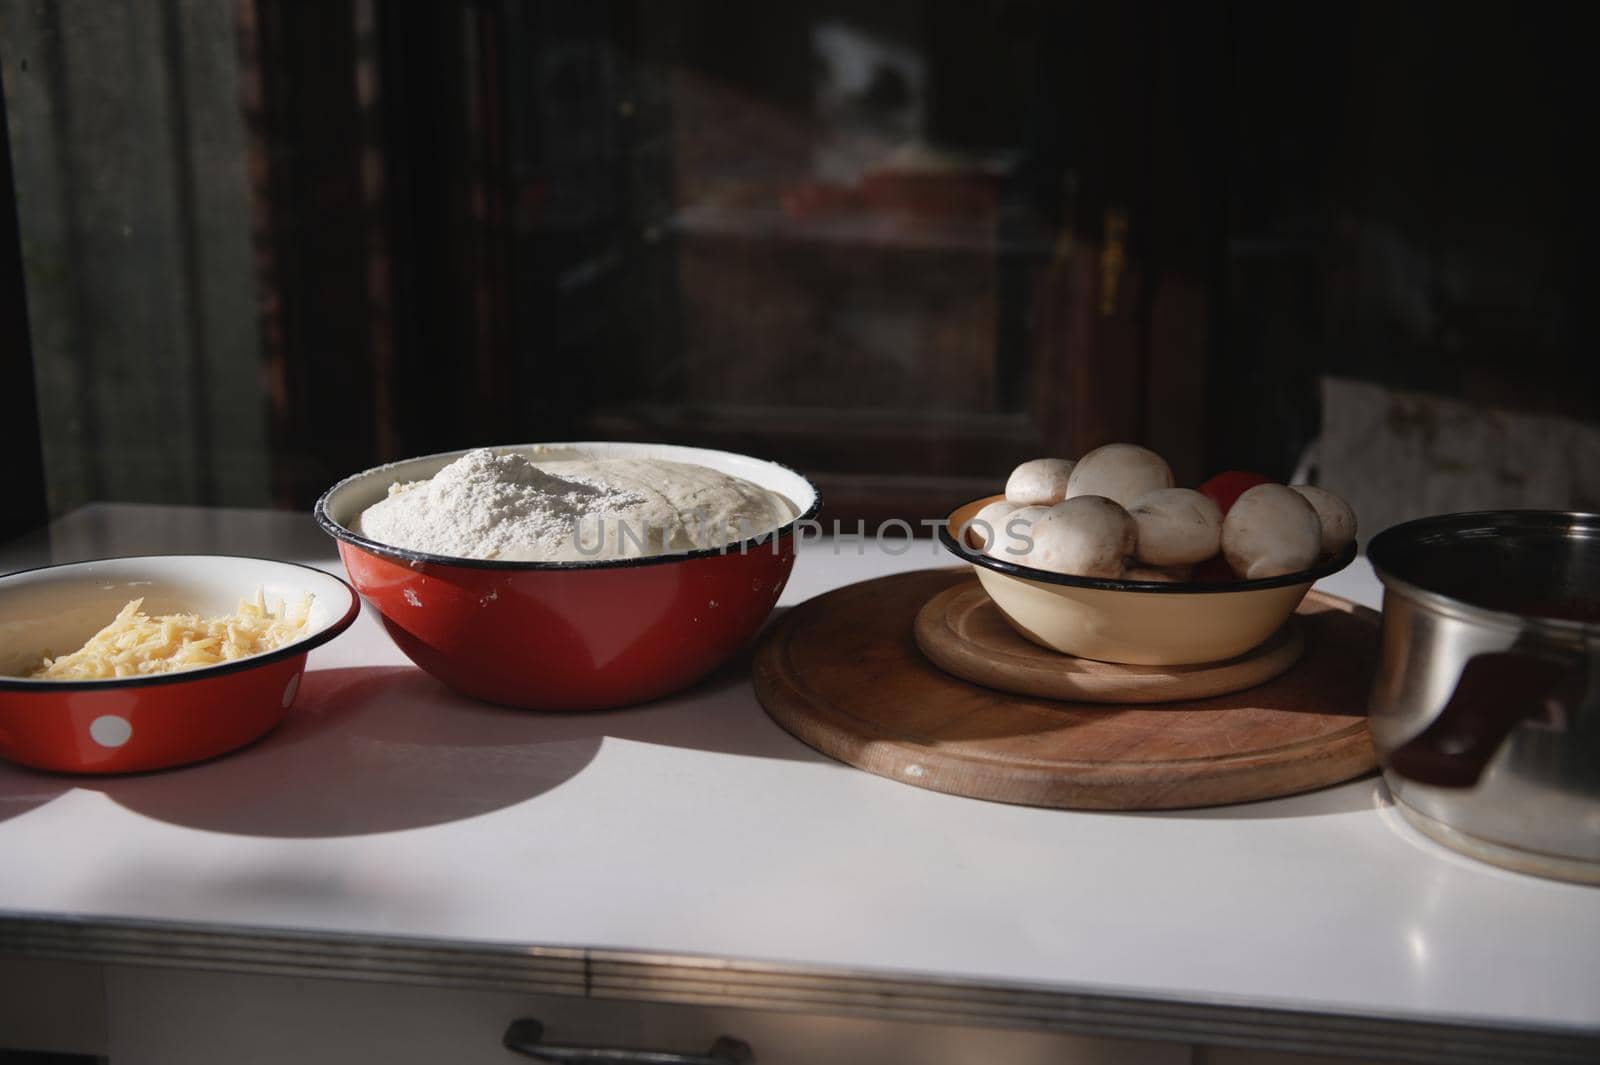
1486 707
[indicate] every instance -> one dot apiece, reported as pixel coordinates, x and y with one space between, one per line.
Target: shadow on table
380 749
371 749
23 789
1366 792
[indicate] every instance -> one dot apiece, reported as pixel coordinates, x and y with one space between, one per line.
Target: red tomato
1225 488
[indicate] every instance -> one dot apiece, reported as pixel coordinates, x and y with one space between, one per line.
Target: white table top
387 805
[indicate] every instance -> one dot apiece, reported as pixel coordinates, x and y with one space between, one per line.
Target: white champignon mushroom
1013 535
1088 536
989 522
1120 473
1271 530
1177 527
1158 574
1039 481
1337 517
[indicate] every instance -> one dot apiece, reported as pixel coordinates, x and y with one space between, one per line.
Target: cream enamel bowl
1135 622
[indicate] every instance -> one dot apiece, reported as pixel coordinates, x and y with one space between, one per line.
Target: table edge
700 980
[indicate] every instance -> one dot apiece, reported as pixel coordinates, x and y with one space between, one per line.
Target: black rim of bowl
1326 566
299 647
404 554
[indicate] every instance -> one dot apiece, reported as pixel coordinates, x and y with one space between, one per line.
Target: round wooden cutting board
963 632
843 673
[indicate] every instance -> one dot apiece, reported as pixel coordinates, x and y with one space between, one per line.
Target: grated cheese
135 644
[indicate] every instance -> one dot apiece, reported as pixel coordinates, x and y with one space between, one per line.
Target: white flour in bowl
508 507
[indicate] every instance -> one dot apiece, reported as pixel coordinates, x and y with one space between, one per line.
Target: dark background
496 222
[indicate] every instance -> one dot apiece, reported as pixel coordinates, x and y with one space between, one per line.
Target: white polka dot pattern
109 730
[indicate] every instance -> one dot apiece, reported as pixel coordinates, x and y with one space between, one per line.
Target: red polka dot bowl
131 724
582 635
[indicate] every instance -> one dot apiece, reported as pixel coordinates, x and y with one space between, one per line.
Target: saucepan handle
1494 693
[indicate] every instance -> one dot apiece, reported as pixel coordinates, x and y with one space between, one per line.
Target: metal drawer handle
525 1034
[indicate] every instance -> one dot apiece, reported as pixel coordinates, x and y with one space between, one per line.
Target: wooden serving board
962 632
842 672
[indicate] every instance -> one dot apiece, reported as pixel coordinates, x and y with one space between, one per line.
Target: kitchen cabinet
160 1016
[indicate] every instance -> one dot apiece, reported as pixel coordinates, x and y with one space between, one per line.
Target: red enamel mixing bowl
584 635
130 724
